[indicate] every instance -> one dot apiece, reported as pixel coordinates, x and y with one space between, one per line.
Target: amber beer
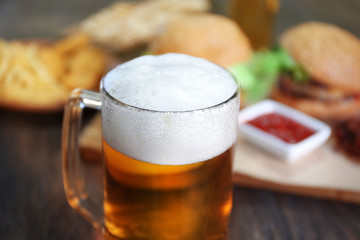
168 163
149 201
256 18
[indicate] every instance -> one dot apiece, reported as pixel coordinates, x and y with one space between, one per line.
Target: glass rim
103 90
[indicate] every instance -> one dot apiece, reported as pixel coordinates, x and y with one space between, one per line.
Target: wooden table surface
32 200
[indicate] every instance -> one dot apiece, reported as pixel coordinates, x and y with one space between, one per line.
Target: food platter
324 173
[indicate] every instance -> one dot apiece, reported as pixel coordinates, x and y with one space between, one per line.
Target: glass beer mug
256 18
169 128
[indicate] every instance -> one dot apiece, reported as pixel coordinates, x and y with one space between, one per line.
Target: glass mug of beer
169 128
256 18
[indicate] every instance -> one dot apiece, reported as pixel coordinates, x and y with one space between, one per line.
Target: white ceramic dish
282 149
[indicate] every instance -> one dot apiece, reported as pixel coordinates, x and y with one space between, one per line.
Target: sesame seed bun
329 54
210 36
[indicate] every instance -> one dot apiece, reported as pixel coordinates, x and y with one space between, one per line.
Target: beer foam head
169 109
170 82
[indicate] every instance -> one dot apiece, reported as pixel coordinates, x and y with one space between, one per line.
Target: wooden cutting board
324 173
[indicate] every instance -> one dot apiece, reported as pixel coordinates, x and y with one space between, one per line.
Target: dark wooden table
32 200
33 205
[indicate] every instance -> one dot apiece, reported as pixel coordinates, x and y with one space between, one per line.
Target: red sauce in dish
282 127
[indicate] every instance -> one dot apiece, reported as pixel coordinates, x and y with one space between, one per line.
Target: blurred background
48 18
265 213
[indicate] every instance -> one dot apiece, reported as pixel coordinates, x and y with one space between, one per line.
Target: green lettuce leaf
258 76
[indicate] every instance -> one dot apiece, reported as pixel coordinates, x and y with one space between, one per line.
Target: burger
328 60
210 36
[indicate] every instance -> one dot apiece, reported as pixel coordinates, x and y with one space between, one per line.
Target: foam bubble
173 85
170 82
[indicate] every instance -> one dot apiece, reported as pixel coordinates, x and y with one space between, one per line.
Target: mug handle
75 192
